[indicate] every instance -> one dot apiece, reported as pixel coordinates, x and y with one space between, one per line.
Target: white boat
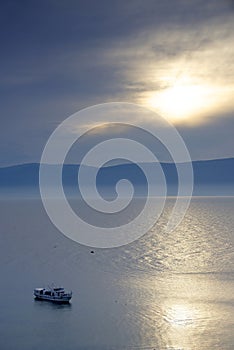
55 294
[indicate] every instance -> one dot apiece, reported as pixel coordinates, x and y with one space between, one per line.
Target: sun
181 102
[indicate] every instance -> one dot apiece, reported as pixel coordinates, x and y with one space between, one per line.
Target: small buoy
92 252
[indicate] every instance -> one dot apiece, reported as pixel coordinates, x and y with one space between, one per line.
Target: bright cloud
185 74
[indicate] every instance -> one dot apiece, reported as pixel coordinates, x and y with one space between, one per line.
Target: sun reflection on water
182 283
184 325
181 315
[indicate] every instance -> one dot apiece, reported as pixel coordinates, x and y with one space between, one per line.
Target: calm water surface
173 291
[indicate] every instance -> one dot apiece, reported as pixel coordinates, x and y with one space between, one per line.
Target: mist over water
163 291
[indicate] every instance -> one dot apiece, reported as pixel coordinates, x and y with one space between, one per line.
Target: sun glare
181 102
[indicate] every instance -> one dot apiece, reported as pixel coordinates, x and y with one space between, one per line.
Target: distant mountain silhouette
208 173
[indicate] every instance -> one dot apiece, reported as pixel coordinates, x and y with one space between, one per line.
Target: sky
174 57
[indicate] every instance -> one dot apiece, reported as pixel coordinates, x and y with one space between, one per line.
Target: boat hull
52 299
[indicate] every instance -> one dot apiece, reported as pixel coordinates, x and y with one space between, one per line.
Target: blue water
173 291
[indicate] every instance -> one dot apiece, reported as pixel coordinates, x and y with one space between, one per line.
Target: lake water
173 291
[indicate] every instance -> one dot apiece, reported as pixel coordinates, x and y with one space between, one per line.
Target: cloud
58 57
210 140
190 57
